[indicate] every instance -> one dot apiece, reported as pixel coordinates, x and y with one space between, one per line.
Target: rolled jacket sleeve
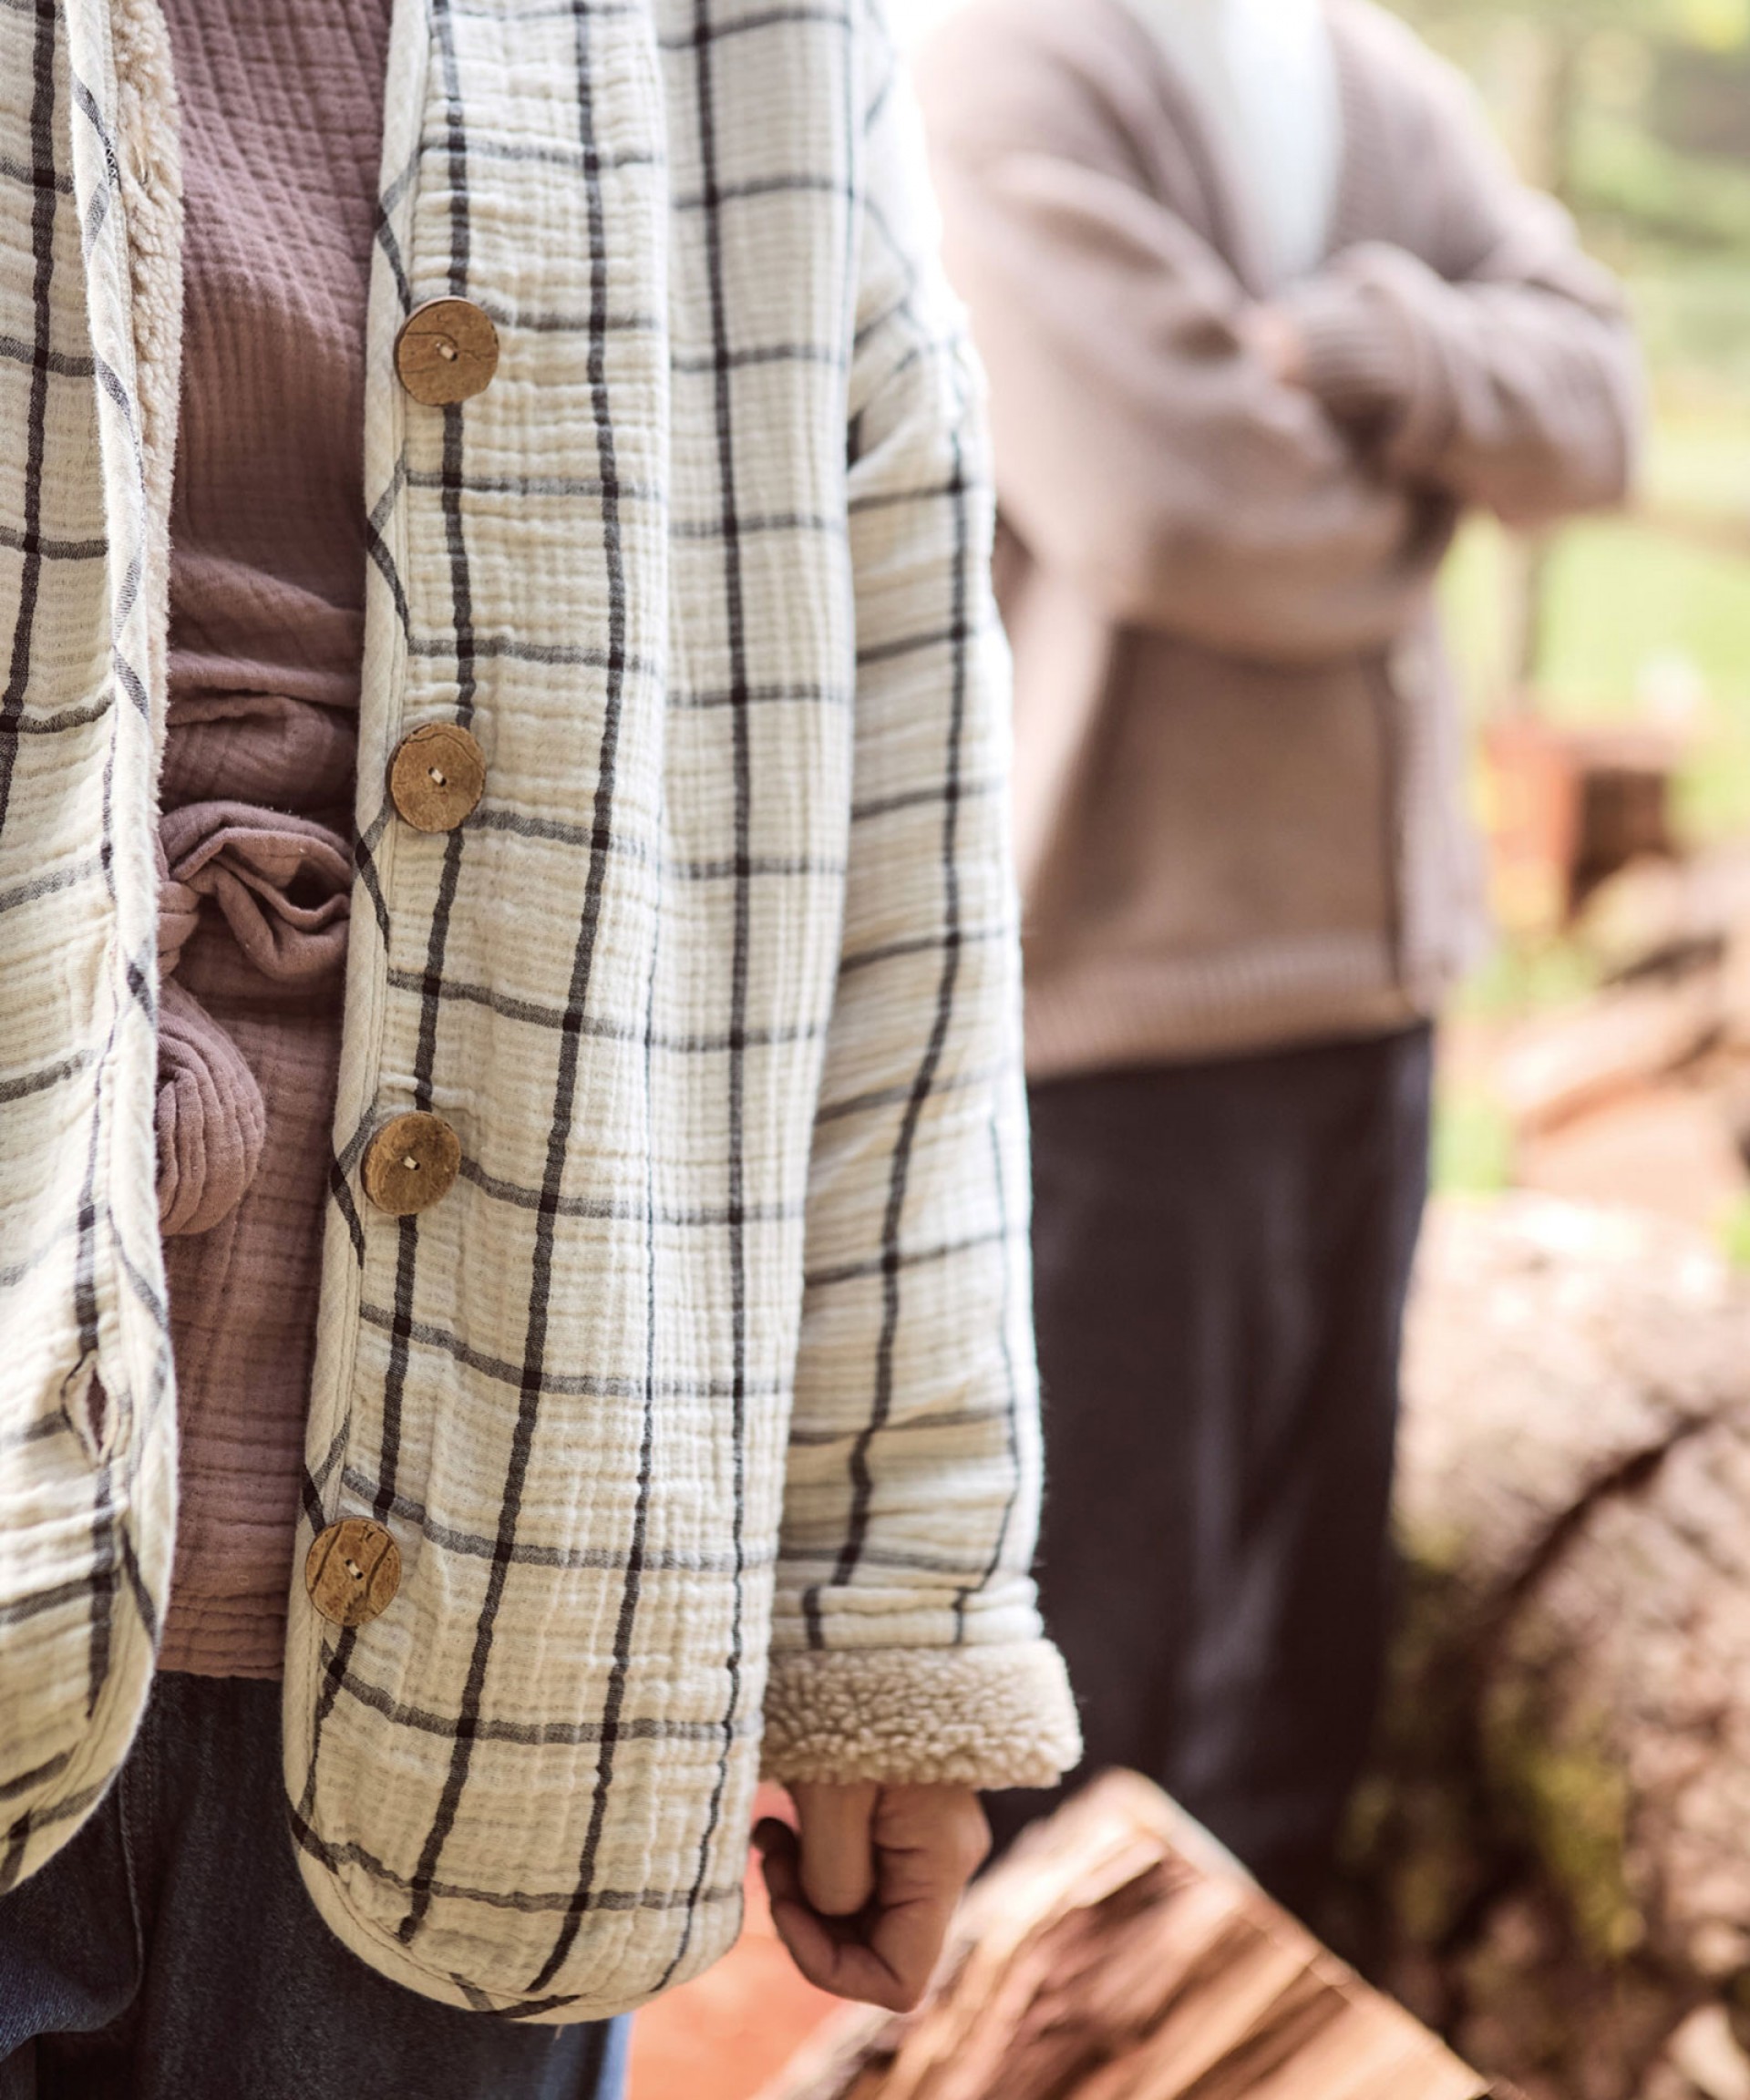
907 1644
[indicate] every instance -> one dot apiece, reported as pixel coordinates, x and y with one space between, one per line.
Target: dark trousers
171 1953
1223 1253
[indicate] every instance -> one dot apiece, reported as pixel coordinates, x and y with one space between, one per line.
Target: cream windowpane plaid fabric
720 1347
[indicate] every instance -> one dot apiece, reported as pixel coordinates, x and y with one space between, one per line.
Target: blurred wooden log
1560 1064
1117 1954
1554 1856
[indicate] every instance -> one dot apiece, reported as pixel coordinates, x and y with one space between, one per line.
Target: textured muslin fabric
282 122
703 1406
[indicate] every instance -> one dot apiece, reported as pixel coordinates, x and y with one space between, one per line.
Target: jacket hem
992 1717
382 1951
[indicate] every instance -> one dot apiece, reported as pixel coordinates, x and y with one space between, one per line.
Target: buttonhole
446 349
411 1164
436 773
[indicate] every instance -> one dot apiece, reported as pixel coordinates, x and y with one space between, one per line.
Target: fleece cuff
983 1716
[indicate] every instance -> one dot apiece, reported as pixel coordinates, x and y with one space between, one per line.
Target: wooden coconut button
447 352
351 1571
436 776
411 1164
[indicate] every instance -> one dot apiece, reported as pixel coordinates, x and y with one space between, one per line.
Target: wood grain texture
1118 1954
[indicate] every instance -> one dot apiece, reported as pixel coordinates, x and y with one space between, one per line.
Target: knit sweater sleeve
1145 449
907 1645
1483 354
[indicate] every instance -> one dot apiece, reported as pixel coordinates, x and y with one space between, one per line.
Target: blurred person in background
1263 310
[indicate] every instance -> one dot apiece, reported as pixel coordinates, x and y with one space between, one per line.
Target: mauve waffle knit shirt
281 128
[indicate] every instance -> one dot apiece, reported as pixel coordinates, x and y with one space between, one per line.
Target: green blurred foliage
1638 111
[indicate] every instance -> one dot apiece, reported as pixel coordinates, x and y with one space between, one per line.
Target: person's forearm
1521 397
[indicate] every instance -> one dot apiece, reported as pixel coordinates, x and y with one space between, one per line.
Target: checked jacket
702 1410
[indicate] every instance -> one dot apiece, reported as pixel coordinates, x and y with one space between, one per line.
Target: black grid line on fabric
954 637
539 1017
931 494
533 1901
70 1809
85 1314
891 1557
42 239
575 1385
29 177
802 693
25 1084
555 321
735 610
703 34
20 1611
57 364
496 816
696 1217
560 10
639 1560
79 717
889 1261
383 229
377 547
507 648
480 1546
954 940
756 187
706 365
544 153
892 1096
50 550
959 636
895 805
37 1432
364 863
753 528
22 1782
1007 1230
618 668
569 486
533 1735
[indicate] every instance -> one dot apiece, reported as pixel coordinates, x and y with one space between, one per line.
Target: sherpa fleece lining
989 1717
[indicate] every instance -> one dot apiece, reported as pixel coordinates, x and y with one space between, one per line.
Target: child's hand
863 1891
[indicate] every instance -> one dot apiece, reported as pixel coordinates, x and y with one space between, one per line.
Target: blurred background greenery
1637 114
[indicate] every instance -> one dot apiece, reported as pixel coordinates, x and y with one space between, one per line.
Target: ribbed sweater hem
1103 1011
